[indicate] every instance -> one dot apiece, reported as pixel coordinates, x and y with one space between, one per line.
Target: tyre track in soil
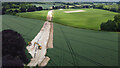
90 44
70 48
89 36
28 32
83 57
6 25
90 60
77 55
17 24
22 34
32 29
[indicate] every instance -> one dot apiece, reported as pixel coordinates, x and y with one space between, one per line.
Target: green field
40 15
28 28
72 46
91 19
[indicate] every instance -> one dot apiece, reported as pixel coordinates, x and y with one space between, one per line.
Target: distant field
46 6
40 15
91 19
72 46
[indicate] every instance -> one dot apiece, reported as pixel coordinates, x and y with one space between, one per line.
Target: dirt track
45 39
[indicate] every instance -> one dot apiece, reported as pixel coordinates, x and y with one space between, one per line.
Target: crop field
72 46
28 28
40 15
90 19
80 47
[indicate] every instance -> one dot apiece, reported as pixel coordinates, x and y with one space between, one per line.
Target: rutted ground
72 46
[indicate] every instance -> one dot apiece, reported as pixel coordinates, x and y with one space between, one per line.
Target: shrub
118 27
17 11
23 9
3 10
117 18
111 25
31 9
39 8
9 11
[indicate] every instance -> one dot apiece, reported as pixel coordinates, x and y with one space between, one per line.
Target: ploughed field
87 19
72 46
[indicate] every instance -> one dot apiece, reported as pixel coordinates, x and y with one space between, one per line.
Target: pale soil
74 11
45 39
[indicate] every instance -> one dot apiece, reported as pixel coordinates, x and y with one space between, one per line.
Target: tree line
14 7
115 7
112 25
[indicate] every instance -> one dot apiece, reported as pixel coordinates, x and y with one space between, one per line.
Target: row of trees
60 7
13 8
111 25
73 7
113 8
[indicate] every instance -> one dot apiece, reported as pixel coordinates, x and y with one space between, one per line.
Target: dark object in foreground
9 61
13 49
